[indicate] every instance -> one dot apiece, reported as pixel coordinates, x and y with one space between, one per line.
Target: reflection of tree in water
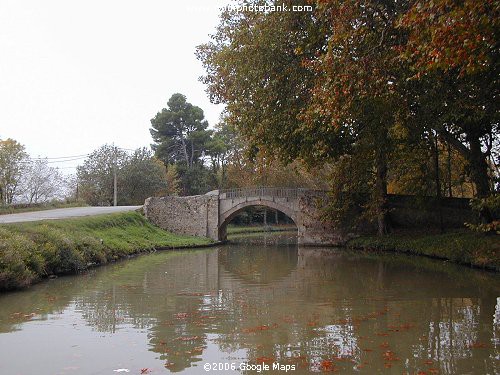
315 308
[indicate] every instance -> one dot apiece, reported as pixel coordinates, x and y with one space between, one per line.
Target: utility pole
114 179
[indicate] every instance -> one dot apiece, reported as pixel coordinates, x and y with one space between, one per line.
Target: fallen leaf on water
145 371
477 345
390 356
327 365
429 362
259 328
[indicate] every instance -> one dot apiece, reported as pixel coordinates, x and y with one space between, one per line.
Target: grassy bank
461 246
31 251
238 229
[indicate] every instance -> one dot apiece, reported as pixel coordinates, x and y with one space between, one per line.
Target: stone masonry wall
194 215
313 229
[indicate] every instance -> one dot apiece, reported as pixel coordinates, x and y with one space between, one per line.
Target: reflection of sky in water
317 309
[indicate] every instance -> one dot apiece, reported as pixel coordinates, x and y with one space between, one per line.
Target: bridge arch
226 217
208 215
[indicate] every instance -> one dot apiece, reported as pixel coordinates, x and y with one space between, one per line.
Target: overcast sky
77 74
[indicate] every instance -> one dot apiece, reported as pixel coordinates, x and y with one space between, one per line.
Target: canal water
261 304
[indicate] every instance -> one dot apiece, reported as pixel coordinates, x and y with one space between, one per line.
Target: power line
61 157
64 161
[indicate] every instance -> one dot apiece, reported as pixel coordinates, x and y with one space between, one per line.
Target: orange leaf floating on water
434 371
385 344
429 362
382 334
390 356
259 328
421 373
327 365
387 365
477 345
312 324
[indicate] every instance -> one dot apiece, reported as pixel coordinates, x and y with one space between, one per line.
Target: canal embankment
32 251
244 229
460 246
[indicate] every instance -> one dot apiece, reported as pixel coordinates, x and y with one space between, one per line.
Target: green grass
236 229
461 246
29 251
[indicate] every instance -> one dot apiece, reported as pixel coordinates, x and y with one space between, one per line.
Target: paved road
63 213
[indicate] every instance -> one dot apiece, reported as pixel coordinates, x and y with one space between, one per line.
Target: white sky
77 74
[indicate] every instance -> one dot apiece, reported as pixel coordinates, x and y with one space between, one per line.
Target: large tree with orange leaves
346 81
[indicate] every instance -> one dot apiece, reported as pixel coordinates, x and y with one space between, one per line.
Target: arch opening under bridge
228 216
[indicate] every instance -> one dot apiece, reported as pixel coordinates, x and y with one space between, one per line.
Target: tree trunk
381 192
184 149
450 190
479 168
479 174
438 183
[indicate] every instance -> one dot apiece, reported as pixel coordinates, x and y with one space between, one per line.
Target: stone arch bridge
208 215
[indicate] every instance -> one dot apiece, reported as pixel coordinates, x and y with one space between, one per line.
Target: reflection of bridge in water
281 302
208 215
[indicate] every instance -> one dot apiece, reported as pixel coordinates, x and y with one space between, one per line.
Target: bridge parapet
276 192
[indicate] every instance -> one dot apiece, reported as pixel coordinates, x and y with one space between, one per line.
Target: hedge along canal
33 250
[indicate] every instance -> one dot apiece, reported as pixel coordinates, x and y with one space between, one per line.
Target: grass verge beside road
20 208
461 246
32 250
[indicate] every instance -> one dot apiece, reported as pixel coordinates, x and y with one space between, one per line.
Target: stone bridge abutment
208 215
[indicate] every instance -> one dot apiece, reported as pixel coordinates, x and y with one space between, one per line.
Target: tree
141 176
172 180
95 176
452 50
179 132
312 87
13 161
254 65
180 137
40 182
